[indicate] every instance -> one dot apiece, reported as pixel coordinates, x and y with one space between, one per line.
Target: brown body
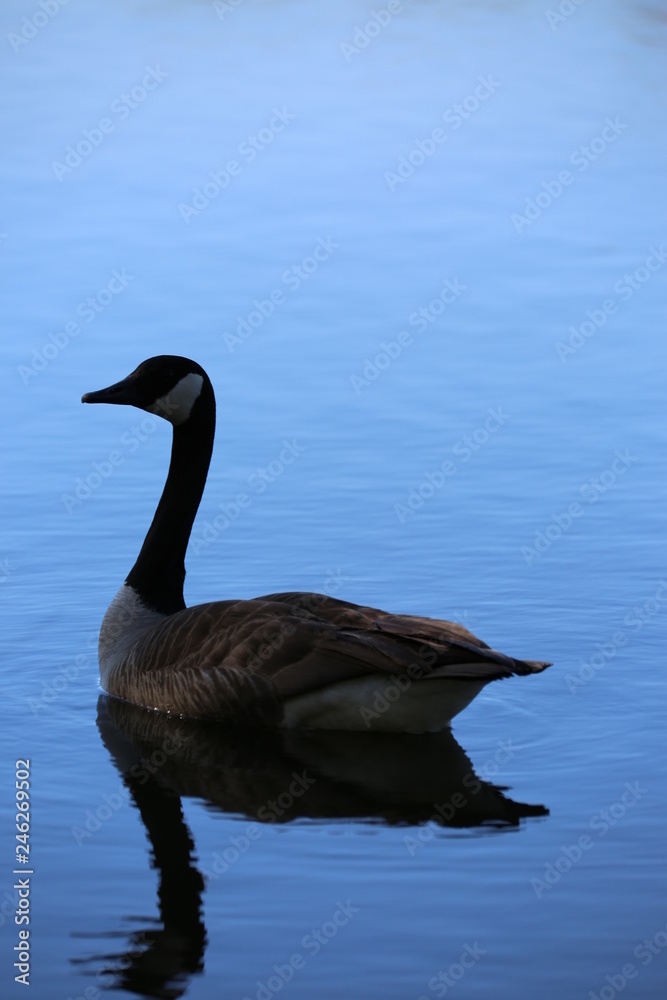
247 661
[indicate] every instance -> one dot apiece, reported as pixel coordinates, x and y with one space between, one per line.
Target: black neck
159 572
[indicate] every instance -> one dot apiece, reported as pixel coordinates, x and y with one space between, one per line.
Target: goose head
166 385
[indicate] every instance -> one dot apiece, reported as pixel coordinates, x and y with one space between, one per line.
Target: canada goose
294 659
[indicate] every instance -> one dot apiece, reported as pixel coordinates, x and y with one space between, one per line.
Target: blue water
432 262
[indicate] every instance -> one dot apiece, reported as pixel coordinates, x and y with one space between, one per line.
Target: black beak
121 392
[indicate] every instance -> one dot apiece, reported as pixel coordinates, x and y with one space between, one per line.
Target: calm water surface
432 262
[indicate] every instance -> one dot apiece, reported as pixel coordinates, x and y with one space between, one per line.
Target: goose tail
523 667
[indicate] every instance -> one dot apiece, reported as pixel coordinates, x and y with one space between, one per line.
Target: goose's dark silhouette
297 660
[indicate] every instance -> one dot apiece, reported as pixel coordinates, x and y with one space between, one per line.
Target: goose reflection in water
384 778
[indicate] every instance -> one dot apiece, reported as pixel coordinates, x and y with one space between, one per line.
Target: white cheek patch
176 405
